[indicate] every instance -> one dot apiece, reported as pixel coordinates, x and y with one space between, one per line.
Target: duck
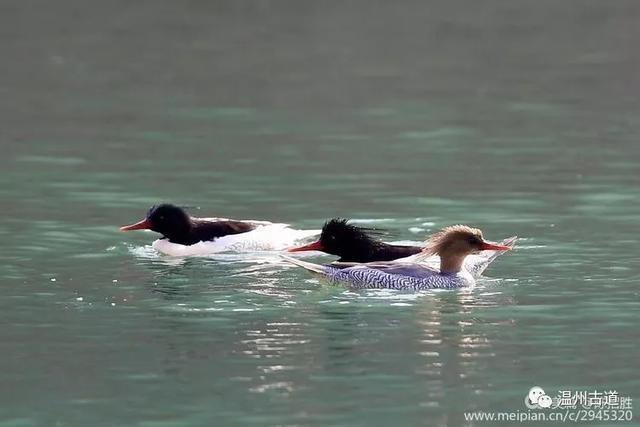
184 235
452 245
352 243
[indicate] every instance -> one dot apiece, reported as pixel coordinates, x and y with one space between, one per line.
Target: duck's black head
340 238
166 219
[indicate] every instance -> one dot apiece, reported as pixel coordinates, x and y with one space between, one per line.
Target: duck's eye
473 240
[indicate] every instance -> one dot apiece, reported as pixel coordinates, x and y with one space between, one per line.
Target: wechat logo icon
537 399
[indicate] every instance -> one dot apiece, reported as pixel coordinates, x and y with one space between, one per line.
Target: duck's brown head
455 242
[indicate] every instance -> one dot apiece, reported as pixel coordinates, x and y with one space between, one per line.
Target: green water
518 118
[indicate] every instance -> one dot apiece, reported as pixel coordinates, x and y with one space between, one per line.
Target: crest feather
341 226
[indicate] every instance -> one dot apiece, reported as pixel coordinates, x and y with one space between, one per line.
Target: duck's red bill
315 246
486 246
145 224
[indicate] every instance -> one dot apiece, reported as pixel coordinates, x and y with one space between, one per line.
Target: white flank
268 237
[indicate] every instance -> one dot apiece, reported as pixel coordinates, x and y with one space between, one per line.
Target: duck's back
382 252
204 231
